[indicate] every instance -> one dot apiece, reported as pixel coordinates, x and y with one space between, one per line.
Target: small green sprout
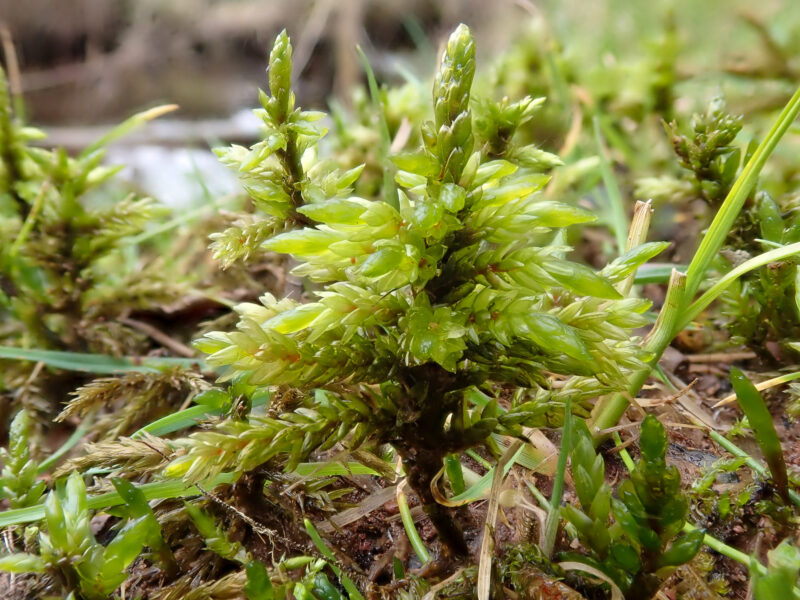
18 479
644 543
69 552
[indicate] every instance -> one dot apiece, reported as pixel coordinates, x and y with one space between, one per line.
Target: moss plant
644 543
456 287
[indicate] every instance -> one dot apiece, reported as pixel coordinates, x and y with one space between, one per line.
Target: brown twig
159 336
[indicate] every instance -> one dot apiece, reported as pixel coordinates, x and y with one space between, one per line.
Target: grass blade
97 363
744 184
715 290
152 491
348 584
761 423
455 474
619 220
411 531
128 125
389 186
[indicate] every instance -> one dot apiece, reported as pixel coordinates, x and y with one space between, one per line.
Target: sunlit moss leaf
346 212
581 279
553 335
296 319
417 163
305 242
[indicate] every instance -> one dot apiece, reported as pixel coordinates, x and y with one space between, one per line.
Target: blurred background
86 64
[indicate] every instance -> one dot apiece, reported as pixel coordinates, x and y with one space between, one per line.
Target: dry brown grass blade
366 506
487 545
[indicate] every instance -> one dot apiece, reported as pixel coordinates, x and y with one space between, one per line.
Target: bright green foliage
643 544
455 287
707 153
458 269
62 278
761 307
136 507
18 480
760 419
783 575
273 172
70 552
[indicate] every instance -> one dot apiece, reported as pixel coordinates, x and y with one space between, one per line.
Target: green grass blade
455 474
183 419
721 285
348 584
86 424
389 185
618 218
479 490
761 423
152 491
744 184
656 272
97 363
411 531
127 126
188 417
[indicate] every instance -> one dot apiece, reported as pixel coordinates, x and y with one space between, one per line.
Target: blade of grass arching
479 489
389 186
128 125
418 36
608 412
188 417
699 305
411 530
761 423
727 213
158 490
615 201
554 516
346 582
97 363
182 419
